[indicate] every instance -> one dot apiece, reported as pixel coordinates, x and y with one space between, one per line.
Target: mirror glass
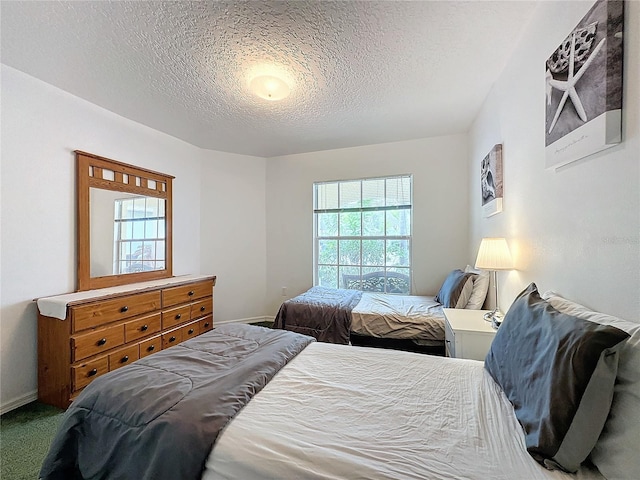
127 233
124 223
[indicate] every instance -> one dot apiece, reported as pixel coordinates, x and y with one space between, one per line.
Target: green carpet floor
25 436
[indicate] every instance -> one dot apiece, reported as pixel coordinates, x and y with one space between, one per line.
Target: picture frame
491 181
584 87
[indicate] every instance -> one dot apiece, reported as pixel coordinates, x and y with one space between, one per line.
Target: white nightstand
467 334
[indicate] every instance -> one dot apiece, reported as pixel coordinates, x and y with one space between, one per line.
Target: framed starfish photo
584 87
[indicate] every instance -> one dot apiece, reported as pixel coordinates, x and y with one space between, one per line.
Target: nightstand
467 333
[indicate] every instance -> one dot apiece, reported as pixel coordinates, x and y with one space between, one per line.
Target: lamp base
495 317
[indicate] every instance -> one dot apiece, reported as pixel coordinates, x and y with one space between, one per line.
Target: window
139 241
362 234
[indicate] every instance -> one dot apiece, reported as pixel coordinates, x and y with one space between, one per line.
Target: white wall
440 196
574 230
234 233
248 220
41 126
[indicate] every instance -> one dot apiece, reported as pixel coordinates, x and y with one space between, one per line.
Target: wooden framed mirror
124 223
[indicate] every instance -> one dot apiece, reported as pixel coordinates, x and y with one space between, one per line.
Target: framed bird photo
584 87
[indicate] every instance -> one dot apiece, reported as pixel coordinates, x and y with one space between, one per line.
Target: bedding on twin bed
323 313
330 314
412 317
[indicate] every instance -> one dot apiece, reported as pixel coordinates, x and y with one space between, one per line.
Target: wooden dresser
101 330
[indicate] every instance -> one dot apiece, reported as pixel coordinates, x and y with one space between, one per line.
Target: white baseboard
18 402
245 320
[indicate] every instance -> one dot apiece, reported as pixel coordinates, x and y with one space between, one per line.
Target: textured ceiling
359 72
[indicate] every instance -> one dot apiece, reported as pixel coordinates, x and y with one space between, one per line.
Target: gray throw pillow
558 371
456 290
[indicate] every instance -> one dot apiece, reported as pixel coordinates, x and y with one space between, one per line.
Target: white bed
567 376
353 416
331 315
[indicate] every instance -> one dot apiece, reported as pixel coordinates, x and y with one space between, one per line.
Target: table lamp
493 255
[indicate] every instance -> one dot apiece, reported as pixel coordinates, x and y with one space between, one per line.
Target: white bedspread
342 412
399 316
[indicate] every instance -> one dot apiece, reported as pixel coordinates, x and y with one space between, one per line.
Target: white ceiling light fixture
270 87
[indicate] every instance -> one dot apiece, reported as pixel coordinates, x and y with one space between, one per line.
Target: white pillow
616 452
480 288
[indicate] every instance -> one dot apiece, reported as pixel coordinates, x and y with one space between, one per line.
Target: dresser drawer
202 308
89 344
191 330
123 356
186 293
103 331
206 324
83 374
151 345
176 316
141 327
107 311
171 338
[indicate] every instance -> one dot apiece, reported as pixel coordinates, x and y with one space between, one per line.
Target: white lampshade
494 254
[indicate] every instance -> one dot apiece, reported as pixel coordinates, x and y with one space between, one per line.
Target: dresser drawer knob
191 293
190 331
151 348
124 359
144 328
101 342
124 309
206 324
203 308
91 373
178 316
172 339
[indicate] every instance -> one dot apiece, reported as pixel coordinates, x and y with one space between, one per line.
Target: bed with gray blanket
159 417
333 314
245 402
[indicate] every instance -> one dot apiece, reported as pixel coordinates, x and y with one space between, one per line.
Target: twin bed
334 315
244 402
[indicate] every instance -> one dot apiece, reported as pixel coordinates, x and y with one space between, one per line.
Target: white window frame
361 237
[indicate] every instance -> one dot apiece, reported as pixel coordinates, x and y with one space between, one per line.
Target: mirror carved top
124 233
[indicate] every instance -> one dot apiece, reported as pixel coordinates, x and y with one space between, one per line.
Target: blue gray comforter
324 313
159 417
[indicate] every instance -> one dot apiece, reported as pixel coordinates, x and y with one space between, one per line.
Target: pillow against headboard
480 288
616 453
456 290
558 372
